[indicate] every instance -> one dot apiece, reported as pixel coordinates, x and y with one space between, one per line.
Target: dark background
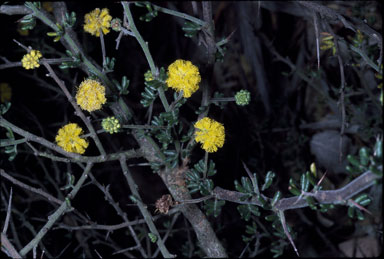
265 135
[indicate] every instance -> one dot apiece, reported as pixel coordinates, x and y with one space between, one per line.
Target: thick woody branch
14 9
338 196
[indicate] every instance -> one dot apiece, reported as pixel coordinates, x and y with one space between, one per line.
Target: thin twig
148 56
6 223
119 211
73 157
9 247
317 39
77 109
29 188
282 219
102 47
341 91
58 213
147 216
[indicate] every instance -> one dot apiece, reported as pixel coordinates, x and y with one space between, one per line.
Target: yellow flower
210 134
31 60
96 20
5 92
68 139
91 95
183 76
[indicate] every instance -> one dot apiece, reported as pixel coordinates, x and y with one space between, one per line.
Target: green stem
205 164
102 47
179 14
144 46
142 207
58 213
224 99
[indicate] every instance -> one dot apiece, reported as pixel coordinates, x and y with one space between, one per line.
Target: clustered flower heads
69 139
183 76
90 95
111 125
210 134
31 60
96 20
242 97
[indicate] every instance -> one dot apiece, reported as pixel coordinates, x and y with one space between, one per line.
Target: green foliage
213 207
4 107
109 64
354 211
28 22
152 11
150 91
11 150
164 123
191 29
367 159
152 237
246 210
195 178
250 230
123 86
75 62
218 103
268 180
69 20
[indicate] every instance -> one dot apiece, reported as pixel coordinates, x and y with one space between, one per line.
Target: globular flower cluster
31 60
69 139
116 24
111 125
242 97
210 134
183 76
148 76
90 95
97 20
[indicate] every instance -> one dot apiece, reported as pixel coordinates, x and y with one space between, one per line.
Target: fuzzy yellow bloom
5 92
210 134
31 60
90 95
96 20
68 139
183 76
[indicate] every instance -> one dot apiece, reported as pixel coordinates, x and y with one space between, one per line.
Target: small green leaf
268 180
152 237
276 197
364 156
359 214
271 217
304 182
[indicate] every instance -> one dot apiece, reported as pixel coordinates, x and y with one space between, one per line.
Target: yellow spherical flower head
96 20
68 139
210 134
90 95
31 60
183 76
